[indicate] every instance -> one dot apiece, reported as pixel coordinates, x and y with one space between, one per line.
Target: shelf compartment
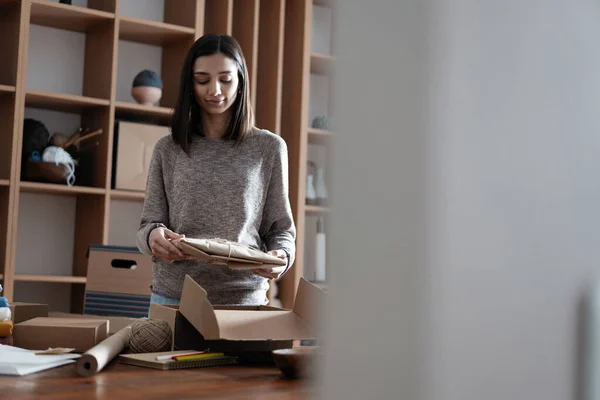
10 17
50 278
117 194
321 64
152 32
218 17
134 111
53 188
67 17
317 209
7 129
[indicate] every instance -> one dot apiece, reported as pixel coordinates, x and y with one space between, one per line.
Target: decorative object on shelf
322 122
321 188
320 253
35 139
6 325
150 336
311 194
59 156
58 139
147 88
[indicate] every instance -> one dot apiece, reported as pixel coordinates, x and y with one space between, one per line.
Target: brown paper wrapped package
221 251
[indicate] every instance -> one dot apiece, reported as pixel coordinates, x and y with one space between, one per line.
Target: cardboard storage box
45 332
198 325
118 282
24 311
134 144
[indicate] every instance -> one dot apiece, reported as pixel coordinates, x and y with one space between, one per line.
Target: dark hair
187 118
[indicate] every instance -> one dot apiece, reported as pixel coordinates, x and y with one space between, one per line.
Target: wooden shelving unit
275 38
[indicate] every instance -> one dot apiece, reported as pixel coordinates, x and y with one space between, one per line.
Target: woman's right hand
162 248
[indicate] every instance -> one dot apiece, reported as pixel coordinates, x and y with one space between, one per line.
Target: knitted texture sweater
221 190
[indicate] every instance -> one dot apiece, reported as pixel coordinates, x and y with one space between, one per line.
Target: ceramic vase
321 188
147 88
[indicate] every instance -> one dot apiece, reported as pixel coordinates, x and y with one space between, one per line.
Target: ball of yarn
5 314
4 302
150 336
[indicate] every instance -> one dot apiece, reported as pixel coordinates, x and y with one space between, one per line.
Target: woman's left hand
273 272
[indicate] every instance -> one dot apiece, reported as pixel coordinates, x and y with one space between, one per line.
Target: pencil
172 357
197 356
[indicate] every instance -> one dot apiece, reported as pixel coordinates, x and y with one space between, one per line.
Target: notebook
149 360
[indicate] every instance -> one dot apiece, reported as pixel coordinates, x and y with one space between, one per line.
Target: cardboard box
118 282
115 324
45 332
134 144
24 311
198 325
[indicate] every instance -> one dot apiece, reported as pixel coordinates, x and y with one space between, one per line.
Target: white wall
476 208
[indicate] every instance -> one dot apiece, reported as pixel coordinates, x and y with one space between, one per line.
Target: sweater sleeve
278 230
155 212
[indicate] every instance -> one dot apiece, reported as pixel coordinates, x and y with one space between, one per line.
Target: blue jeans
158 299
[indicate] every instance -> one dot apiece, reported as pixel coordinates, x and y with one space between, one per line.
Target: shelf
317 209
53 188
139 111
61 101
152 32
127 195
68 17
4 182
7 89
51 278
321 64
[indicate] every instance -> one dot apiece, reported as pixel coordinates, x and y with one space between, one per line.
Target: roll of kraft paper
95 359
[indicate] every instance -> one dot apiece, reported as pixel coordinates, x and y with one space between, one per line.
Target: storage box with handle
118 282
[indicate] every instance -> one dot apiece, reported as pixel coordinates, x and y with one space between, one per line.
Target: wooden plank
181 12
7 125
316 209
90 225
7 89
99 55
4 228
152 32
52 188
321 64
218 17
13 198
50 278
294 118
9 43
245 31
127 195
4 182
61 101
161 115
68 17
172 61
270 65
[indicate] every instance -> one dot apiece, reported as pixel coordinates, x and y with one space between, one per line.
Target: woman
216 176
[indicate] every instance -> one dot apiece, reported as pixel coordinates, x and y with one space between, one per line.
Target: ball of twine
150 336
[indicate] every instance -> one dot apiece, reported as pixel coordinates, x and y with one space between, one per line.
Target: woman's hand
275 271
162 248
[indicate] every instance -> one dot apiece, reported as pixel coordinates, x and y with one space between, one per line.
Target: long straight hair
187 116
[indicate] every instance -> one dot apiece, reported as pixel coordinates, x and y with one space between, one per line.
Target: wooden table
119 381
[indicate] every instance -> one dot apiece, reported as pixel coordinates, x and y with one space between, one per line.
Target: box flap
194 306
309 300
262 325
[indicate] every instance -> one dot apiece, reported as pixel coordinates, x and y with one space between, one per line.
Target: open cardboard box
198 325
